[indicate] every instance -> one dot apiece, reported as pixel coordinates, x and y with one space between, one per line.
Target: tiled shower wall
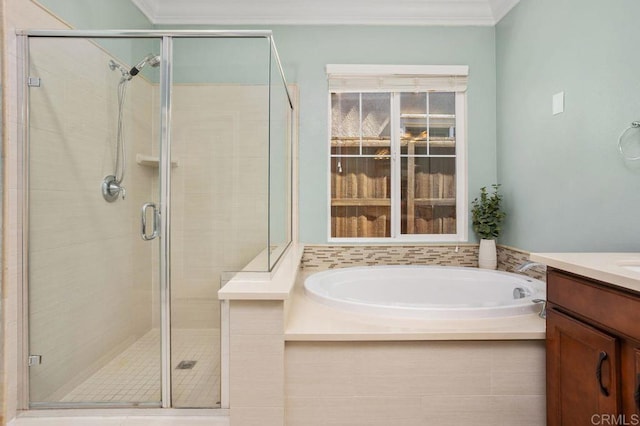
89 272
334 256
219 192
25 14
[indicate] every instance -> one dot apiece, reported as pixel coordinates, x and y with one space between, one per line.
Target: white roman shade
397 78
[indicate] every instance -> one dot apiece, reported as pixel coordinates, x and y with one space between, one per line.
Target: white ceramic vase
487 257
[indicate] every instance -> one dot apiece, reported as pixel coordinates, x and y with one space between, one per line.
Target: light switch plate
558 103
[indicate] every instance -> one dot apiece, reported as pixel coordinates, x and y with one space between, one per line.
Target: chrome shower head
151 59
154 61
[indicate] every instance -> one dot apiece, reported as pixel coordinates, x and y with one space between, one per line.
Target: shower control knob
111 189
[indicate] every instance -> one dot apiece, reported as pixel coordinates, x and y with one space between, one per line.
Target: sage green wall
305 50
107 15
98 15
564 185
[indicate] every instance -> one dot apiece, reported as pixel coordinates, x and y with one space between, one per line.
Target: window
397 153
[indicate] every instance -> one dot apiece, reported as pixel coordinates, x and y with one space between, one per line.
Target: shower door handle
156 218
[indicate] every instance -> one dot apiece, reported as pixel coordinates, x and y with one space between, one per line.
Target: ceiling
325 12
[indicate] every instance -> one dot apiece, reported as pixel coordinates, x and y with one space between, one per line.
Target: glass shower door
219 196
94 335
127 248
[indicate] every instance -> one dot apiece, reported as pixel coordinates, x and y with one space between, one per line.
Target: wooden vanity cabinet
593 352
574 352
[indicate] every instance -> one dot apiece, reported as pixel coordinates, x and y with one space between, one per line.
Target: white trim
461 165
400 70
328 168
148 8
402 239
328 12
462 179
359 78
500 8
396 168
195 19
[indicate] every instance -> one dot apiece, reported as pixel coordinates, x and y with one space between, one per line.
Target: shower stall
156 164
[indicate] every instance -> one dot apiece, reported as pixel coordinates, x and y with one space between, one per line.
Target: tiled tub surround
510 258
378 383
339 256
347 368
318 257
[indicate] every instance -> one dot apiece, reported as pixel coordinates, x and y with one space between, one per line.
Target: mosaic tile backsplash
509 259
318 257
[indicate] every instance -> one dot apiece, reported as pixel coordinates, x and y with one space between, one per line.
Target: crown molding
326 12
149 8
500 8
320 20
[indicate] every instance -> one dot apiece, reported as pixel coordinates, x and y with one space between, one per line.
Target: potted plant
487 218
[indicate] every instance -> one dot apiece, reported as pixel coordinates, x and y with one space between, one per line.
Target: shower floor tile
134 375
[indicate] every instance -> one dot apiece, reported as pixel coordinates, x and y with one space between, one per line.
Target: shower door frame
166 69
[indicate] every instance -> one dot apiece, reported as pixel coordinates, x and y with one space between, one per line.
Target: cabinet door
582 372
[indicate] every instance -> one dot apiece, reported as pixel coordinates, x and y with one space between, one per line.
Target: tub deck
308 320
346 368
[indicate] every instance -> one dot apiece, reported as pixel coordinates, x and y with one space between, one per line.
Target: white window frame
439 74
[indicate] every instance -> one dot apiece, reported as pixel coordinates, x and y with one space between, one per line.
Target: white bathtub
428 292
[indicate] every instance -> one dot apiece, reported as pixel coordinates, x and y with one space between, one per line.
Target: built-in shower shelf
151 161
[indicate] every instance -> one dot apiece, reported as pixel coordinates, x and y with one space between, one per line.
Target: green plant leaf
486 214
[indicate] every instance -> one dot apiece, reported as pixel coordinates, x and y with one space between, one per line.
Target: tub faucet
528 265
543 312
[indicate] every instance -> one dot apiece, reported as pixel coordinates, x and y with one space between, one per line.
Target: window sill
405 239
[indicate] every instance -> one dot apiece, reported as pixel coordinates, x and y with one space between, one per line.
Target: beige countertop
275 285
312 321
613 268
